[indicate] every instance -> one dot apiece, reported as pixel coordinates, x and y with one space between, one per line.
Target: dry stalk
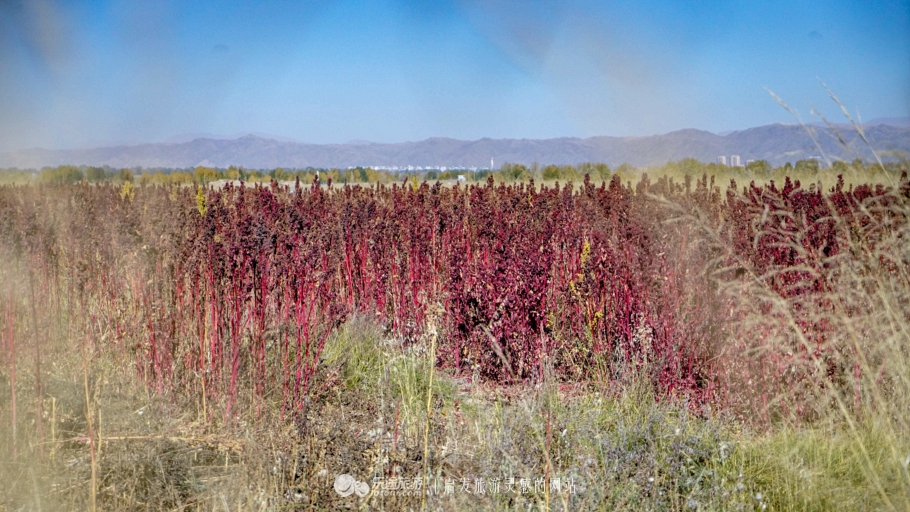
91 434
426 430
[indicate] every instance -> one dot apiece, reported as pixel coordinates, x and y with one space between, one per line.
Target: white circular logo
361 489
345 485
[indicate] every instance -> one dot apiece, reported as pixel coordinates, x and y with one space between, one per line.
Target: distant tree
551 172
599 172
505 171
511 172
61 174
95 175
570 173
331 174
840 167
279 174
758 167
625 171
180 178
203 175
479 175
809 166
692 167
158 178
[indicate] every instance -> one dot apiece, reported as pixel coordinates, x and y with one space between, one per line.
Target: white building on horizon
734 161
721 160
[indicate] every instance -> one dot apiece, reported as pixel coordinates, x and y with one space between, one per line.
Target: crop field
597 344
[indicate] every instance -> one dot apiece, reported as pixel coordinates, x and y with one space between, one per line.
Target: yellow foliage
127 191
585 252
204 175
200 201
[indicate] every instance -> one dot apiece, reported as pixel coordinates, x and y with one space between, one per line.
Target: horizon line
902 122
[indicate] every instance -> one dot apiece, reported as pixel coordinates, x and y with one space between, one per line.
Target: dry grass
623 451
153 454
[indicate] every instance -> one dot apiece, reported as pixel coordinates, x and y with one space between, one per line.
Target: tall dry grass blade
858 126
808 129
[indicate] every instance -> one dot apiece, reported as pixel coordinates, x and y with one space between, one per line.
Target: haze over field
777 144
102 73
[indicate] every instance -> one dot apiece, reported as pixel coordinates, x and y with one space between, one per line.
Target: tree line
508 172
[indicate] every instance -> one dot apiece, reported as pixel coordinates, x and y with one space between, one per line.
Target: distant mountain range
777 143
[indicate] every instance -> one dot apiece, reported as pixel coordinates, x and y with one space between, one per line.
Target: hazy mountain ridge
776 143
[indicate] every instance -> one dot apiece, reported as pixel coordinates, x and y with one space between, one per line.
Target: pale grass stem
426 429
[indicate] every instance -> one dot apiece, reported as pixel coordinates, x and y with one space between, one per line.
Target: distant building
721 160
734 161
461 178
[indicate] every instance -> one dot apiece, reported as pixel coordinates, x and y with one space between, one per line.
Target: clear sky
74 74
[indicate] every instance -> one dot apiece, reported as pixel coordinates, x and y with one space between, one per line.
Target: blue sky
74 74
